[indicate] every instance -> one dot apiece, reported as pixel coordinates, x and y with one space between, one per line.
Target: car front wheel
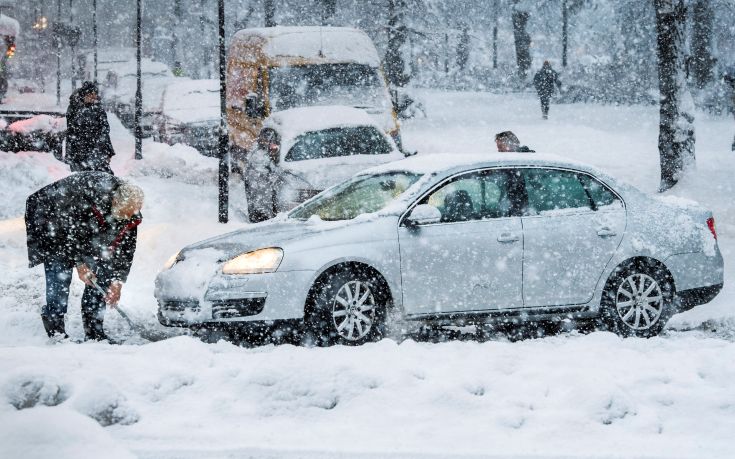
638 301
349 308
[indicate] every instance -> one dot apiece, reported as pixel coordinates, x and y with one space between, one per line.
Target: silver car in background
302 151
455 240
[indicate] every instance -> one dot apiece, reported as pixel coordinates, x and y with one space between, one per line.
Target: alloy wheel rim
639 301
353 310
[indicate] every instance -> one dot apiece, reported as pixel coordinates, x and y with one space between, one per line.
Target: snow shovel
150 335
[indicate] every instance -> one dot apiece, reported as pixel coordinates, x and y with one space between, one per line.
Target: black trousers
58 278
545 105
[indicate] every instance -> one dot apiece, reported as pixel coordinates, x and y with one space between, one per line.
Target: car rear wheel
349 308
638 301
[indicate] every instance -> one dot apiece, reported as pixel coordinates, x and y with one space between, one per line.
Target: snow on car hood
274 233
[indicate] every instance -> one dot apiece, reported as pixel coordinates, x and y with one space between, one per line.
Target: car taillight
711 226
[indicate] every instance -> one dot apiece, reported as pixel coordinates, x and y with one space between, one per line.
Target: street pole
224 160
57 42
94 36
138 90
73 48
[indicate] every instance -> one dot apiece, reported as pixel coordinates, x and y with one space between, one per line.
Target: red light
711 226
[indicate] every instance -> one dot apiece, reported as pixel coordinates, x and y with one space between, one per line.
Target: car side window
552 190
602 197
474 196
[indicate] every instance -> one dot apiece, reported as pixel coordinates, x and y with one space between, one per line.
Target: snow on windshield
361 195
326 84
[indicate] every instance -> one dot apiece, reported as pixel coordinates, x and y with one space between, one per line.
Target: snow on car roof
340 44
295 121
9 26
147 65
445 162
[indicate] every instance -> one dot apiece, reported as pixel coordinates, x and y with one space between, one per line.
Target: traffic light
10 46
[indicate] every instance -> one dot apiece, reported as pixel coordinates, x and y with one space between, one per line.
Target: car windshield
361 195
342 141
355 85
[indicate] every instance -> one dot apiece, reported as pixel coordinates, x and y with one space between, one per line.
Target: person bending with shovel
86 221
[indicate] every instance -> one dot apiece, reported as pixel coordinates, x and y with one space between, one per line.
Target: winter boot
54 326
93 326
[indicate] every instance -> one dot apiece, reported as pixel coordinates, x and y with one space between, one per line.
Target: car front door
472 259
572 226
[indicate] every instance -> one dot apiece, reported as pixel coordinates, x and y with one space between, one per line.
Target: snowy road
570 395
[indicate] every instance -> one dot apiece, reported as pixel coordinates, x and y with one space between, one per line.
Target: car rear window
330 143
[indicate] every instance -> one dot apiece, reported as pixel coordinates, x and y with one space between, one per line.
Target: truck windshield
354 85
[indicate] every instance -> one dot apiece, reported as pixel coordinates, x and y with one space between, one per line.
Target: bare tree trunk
495 34
564 32
702 62
329 8
393 60
269 10
676 124
522 41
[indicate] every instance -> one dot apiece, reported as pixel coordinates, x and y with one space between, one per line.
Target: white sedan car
455 240
302 151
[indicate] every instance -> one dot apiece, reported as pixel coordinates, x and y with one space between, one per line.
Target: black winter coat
71 221
88 144
545 81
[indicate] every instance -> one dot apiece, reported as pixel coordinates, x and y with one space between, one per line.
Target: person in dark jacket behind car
89 221
88 144
546 81
507 142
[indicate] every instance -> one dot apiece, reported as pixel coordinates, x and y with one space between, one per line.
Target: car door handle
605 231
508 237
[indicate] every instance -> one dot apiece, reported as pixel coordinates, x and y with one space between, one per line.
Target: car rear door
472 259
572 226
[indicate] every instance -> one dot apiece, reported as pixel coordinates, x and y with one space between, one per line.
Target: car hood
275 233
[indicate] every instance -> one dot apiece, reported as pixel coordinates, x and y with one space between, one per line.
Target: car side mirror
254 107
423 214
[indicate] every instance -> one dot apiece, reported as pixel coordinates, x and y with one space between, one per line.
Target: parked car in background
302 151
119 87
190 114
454 240
278 68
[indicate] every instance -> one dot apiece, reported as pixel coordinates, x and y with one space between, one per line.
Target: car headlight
258 261
171 261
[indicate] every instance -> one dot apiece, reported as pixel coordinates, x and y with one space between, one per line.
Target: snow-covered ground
571 395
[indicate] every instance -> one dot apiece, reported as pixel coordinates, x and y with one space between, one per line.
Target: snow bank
178 162
42 433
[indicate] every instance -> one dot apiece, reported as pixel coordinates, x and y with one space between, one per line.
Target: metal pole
94 36
58 55
73 48
138 90
224 159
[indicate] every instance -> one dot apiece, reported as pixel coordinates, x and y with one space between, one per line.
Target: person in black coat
88 144
546 81
507 142
89 221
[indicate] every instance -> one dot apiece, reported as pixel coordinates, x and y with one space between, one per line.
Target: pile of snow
39 123
179 162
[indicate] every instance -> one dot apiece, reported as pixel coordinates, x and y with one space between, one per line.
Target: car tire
349 307
638 300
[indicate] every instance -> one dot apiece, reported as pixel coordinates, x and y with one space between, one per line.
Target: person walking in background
88 144
729 78
89 221
507 142
546 81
